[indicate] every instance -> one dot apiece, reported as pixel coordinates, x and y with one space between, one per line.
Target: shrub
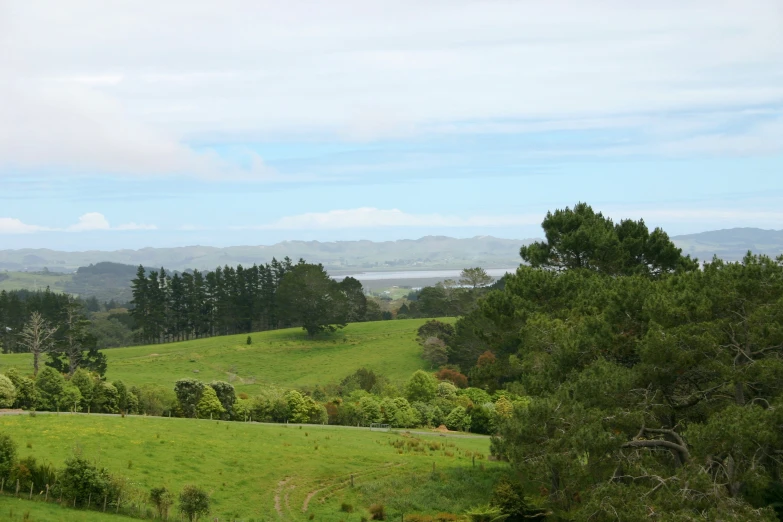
377 512
50 384
7 392
193 502
81 480
447 374
346 508
162 499
26 393
509 497
485 513
7 455
189 393
249 340
421 387
209 404
458 419
225 394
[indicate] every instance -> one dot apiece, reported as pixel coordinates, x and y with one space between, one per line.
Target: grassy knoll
269 472
286 358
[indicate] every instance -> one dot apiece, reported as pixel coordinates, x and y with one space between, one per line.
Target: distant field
266 472
286 358
28 281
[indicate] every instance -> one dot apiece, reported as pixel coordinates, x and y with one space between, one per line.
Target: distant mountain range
430 252
731 244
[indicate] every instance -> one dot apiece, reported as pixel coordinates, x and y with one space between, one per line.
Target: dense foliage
655 388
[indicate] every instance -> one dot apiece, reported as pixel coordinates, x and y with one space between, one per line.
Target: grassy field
286 358
266 472
30 281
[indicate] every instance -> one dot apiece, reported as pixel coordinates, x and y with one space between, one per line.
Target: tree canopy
583 238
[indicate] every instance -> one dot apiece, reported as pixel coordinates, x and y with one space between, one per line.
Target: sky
130 124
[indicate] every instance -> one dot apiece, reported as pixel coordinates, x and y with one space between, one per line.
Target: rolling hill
285 358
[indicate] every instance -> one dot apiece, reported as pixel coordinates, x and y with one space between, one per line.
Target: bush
249 340
7 392
7 455
447 374
346 508
209 405
377 512
458 419
193 502
162 499
81 480
509 497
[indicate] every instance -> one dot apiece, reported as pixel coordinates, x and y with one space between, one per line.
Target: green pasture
265 472
286 358
30 281
23 510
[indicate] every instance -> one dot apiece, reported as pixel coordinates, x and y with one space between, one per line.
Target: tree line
229 300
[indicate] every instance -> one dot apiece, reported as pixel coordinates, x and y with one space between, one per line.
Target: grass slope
286 358
30 281
268 472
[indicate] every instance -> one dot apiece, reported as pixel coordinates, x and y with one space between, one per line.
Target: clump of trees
654 386
229 300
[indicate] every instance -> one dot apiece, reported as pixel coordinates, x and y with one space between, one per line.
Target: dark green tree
307 296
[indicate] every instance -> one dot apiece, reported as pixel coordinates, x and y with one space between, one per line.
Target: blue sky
253 122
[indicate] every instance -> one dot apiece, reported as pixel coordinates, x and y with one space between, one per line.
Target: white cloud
122 88
15 226
368 217
92 221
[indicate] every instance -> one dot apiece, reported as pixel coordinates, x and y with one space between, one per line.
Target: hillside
731 244
426 252
286 358
264 472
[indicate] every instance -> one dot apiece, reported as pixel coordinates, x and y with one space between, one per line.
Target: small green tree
85 381
189 393
7 455
434 352
421 387
162 499
209 406
7 392
70 398
81 481
193 502
26 393
249 340
475 277
50 384
458 419
226 395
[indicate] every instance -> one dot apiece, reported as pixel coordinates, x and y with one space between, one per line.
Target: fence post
104 502
119 497
2 484
46 498
31 491
89 499
17 487
474 461
351 479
